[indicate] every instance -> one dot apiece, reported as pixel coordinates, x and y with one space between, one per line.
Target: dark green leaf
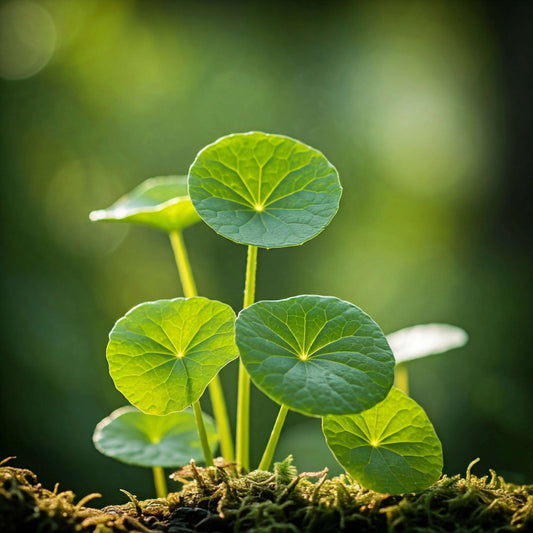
317 355
264 190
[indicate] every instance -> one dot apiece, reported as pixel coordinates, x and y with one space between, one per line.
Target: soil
216 500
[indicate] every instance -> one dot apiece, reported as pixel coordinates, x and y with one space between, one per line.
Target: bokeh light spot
27 39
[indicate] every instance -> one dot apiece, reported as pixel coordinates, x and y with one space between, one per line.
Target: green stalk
160 482
221 416
202 433
274 438
243 419
251 267
184 266
215 387
243 401
401 378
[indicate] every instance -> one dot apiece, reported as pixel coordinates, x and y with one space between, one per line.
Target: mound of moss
216 500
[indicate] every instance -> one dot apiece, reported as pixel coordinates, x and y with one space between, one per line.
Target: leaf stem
221 416
243 401
251 268
202 433
215 387
243 419
401 378
273 440
160 482
184 266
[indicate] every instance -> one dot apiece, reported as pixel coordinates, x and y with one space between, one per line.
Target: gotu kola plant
317 355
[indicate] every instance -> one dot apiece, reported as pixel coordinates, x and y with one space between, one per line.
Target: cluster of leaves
317 355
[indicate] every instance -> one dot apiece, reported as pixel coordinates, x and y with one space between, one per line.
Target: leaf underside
317 355
161 202
163 354
137 438
264 190
425 339
390 448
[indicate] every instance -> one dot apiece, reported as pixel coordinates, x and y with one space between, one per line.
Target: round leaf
390 448
425 339
161 202
264 190
136 438
317 355
162 355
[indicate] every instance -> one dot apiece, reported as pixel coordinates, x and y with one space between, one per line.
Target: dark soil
215 500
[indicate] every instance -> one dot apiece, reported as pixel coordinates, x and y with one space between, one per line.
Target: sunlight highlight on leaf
160 202
163 354
425 339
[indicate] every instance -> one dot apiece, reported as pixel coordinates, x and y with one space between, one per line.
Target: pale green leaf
425 339
161 202
264 190
137 438
163 354
390 448
317 355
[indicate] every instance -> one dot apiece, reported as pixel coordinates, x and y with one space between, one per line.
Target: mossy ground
284 501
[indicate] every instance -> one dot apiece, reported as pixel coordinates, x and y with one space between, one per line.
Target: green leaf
264 190
390 448
162 355
159 202
136 438
317 355
425 339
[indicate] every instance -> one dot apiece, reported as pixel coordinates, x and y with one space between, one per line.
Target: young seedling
157 442
163 203
420 341
266 191
317 355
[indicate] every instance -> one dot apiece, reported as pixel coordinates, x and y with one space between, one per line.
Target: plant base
215 500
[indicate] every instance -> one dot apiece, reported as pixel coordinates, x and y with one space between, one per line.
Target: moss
215 499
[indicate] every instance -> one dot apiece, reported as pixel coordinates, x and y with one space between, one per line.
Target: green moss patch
214 499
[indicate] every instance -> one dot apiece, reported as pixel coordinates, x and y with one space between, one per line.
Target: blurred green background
424 108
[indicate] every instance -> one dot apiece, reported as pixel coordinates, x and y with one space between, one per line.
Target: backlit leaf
390 448
425 339
264 190
163 354
317 355
137 438
161 202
